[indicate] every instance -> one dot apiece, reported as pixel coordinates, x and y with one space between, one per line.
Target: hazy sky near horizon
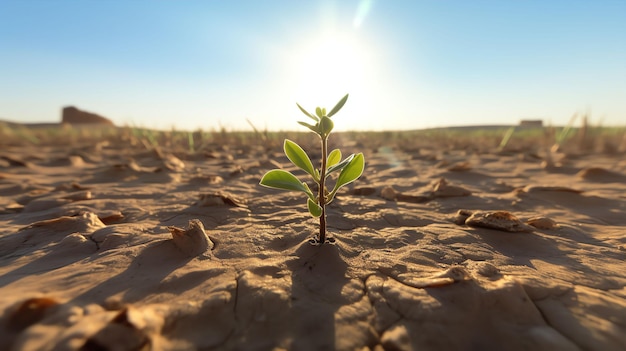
406 64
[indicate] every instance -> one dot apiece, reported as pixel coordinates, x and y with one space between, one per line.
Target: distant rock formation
72 115
531 123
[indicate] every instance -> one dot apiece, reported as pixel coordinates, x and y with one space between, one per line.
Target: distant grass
531 139
585 138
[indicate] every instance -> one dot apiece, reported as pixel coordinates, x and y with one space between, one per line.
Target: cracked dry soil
87 260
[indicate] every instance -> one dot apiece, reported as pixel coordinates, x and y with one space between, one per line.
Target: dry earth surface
103 247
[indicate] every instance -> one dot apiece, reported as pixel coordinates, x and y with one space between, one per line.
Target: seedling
350 168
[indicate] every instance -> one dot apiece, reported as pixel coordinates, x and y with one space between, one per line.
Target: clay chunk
499 220
193 241
219 199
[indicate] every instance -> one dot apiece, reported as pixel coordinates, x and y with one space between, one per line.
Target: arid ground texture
128 239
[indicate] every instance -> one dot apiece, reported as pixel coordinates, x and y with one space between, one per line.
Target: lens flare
362 11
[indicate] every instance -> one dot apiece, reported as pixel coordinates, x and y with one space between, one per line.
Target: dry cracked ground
435 250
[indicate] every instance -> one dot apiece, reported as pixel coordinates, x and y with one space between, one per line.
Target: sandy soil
103 247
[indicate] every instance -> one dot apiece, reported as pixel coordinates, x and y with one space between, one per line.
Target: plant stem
321 188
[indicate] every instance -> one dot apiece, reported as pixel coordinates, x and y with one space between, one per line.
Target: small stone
389 193
499 220
542 223
462 216
442 188
30 312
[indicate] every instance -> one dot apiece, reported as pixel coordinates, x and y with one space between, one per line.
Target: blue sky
406 64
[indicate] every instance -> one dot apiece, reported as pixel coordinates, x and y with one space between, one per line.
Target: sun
327 69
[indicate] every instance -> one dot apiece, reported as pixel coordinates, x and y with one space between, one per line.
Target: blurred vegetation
582 139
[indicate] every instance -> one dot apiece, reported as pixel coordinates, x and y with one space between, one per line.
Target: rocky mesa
73 115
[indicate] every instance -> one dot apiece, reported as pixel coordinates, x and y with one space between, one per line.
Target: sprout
350 168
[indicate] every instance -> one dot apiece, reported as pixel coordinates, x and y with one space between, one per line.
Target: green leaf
313 128
339 166
299 157
308 114
338 106
280 179
318 112
314 209
308 191
351 172
326 126
333 158
324 111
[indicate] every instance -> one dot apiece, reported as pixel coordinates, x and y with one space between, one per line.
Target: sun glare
327 70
